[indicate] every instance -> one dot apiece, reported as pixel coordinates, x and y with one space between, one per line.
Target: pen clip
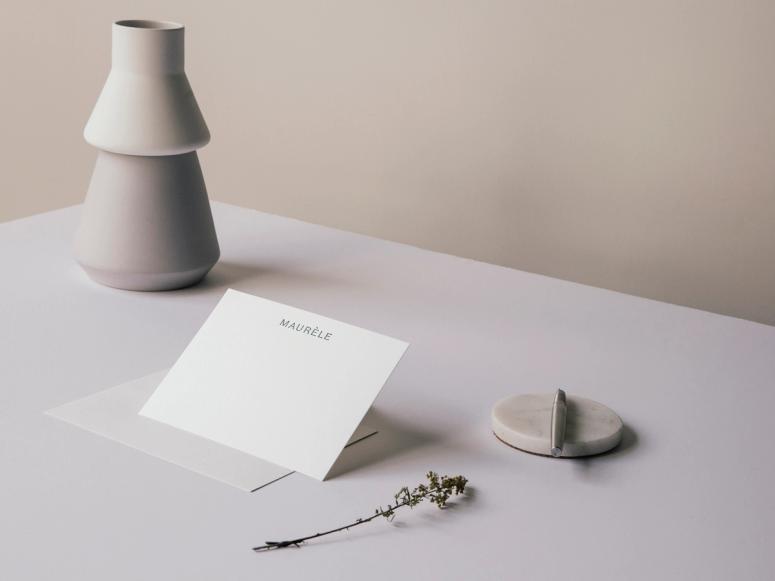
559 415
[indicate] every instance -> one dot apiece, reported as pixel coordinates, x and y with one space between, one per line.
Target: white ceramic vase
146 222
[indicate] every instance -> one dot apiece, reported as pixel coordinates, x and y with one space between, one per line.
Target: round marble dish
524 422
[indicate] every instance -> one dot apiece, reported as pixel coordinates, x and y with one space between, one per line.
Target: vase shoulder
146 115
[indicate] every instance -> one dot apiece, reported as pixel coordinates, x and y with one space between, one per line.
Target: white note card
280 383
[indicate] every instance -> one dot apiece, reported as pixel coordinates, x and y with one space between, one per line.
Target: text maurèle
307 330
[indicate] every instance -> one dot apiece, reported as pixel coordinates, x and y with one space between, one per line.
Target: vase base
147 281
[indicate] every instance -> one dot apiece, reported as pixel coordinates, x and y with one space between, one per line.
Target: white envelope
113 414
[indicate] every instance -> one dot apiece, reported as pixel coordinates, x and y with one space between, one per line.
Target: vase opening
149 24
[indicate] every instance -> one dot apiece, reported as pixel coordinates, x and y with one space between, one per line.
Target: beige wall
629 145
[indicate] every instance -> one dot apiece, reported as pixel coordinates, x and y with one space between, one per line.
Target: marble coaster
113 414
524 422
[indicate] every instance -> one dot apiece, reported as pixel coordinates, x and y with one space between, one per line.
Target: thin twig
438 490
296 542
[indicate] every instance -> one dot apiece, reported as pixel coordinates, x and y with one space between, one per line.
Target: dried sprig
437 490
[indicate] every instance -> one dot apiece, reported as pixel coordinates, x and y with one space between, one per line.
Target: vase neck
148 47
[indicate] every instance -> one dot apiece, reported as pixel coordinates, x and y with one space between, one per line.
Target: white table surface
688 496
